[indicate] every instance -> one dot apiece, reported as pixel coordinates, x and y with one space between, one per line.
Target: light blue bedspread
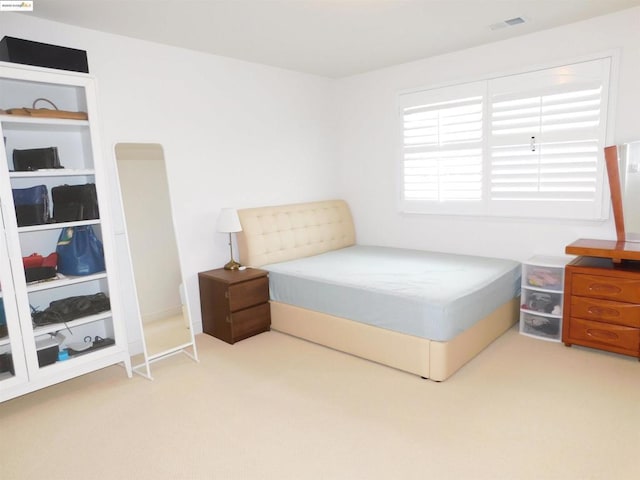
425 294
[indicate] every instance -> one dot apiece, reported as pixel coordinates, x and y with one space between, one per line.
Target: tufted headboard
281 233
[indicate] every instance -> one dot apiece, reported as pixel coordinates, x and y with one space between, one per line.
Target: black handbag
75 202
32 205
70 308
35 159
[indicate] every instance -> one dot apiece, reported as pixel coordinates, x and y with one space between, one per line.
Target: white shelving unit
80 155
542 297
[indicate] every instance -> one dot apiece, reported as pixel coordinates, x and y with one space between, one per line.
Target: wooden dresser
602 305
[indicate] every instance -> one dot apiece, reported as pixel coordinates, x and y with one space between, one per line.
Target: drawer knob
603 334
604 288
603 312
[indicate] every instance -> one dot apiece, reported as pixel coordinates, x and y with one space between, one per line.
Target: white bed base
427 358
276 234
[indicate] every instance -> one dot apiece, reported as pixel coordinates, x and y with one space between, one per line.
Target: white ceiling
332 38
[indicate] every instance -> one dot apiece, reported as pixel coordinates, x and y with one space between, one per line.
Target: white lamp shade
228 221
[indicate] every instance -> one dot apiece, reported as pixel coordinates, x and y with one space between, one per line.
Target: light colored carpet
275 407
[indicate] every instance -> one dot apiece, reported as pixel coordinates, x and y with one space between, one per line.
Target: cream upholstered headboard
280 233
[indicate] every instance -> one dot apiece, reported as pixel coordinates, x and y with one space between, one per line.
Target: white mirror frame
144 368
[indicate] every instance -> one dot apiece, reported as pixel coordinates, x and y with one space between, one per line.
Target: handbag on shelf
35 159
37 267
80 252
3 321
74 202
71 308
47 112
32 205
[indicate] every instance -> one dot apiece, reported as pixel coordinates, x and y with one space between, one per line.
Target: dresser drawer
617 336
627 314
250 321
596 286
249 293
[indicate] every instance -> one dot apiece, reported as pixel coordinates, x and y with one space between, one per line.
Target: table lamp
228 222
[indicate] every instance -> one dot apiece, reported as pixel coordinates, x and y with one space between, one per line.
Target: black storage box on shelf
37 274
28 52
6 363
47 351
75 202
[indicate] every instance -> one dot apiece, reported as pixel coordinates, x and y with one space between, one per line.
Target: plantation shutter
547 134
442 146
522 145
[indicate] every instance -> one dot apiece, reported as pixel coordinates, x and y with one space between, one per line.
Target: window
525 145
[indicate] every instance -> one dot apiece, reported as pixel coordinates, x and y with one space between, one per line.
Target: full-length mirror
623 168
154 254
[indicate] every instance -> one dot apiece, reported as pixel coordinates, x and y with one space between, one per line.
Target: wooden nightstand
234 303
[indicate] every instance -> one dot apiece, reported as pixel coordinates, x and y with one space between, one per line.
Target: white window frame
597 210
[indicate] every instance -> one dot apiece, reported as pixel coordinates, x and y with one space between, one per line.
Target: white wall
240 134
369 139
234 134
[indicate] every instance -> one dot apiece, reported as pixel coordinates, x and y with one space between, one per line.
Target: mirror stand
144 368
158 342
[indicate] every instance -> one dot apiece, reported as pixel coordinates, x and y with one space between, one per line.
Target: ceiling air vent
507 23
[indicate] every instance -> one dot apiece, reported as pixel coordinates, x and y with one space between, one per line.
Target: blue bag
79 251
32 205
3 320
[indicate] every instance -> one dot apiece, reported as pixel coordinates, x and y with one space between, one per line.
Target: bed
427 313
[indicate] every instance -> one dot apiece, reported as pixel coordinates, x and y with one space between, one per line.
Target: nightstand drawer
595 286
250 321
248 294
606 311
617 336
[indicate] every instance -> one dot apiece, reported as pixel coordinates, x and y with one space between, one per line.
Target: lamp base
232 265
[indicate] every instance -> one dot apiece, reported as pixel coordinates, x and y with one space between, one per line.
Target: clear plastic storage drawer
539 326
547 303
548 278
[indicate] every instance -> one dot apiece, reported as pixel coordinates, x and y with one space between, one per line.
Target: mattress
425 294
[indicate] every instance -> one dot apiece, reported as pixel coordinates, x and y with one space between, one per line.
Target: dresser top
606 266
612 249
